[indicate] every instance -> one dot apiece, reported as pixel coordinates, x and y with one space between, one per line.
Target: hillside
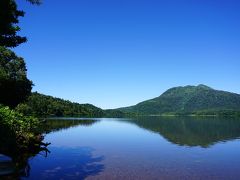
42 105
199 99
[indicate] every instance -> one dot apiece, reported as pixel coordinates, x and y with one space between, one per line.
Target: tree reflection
18 154
17 165
52 125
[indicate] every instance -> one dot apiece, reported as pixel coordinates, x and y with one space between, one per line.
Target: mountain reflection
192 131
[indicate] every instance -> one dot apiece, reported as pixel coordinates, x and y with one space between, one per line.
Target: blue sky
115 53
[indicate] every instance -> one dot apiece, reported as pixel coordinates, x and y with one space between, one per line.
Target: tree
15 87
8 22
9 15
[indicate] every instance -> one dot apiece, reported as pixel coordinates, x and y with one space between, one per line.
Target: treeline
40 105
44 106
217 113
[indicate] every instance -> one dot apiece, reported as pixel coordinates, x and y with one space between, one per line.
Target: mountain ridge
188 100
181 100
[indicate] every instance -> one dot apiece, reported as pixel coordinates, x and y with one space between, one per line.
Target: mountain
199 99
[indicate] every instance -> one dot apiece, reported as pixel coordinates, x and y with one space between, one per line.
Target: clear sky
115 53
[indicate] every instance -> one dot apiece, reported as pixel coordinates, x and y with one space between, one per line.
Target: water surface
142 148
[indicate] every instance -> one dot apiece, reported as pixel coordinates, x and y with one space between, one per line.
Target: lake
140 148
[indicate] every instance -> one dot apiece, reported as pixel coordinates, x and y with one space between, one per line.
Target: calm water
144 148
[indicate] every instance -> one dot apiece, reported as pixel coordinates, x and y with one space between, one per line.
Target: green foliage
19 138
15 87
190 100
41 106
17 122
17 132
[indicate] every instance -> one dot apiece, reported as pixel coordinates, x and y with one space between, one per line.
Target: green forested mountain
42 105
199 99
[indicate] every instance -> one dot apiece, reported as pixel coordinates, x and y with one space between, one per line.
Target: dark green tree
9 15
9 19
15 87
14 84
